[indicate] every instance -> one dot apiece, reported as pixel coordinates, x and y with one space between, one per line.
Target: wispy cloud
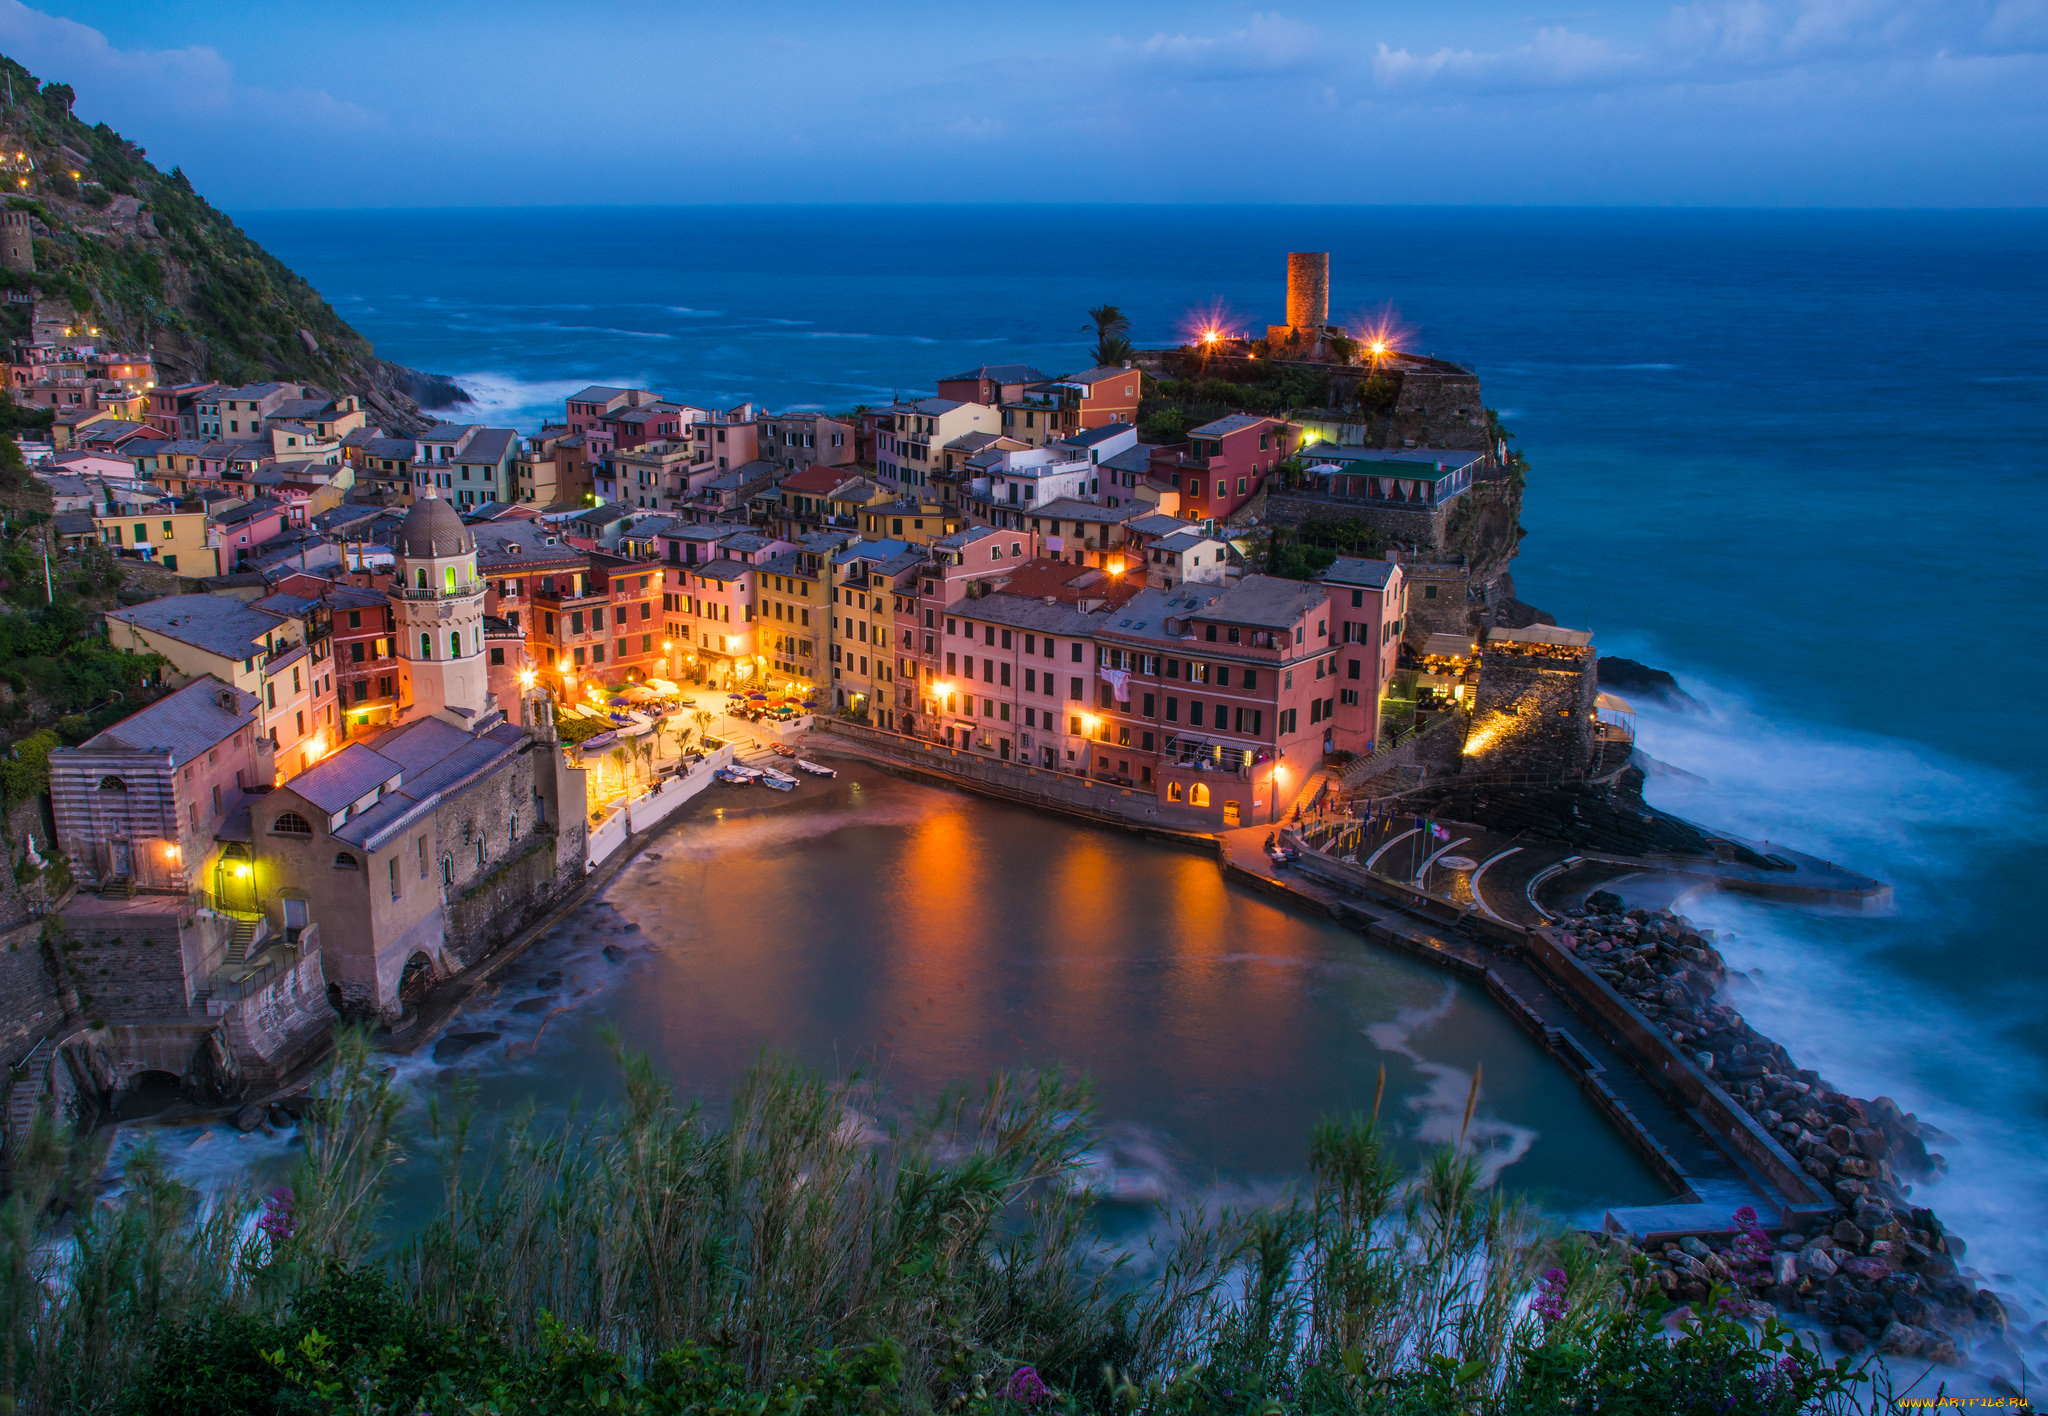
194 83
1269 43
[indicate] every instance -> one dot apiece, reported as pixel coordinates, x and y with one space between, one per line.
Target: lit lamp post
1273 814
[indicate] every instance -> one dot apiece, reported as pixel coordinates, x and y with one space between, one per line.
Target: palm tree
1112 334
703 719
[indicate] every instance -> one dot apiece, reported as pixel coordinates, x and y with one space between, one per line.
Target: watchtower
1308 290
17 242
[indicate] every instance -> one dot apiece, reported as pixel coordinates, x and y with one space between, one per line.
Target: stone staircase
118 887
29 1083
239 940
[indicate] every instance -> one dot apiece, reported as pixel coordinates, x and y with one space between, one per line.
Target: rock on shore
1642 681
1879 1271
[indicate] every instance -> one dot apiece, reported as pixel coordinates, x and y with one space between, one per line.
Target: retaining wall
650 809
1644 1044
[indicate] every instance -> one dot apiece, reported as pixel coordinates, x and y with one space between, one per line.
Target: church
421 846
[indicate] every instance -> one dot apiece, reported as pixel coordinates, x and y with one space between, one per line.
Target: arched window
1198 794
290 823
426 646
420 577
451 577
455 644
113 784
344 861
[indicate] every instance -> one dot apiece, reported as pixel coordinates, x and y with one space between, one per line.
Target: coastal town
413 692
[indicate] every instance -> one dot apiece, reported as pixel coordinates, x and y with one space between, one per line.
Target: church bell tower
439 600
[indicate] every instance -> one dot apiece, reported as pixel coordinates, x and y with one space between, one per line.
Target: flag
1438 832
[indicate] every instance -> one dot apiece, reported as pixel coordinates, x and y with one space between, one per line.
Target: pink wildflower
280 1219
1026 1388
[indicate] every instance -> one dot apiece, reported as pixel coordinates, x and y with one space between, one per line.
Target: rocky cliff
139 255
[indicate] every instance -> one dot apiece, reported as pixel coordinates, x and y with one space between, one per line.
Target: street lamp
1273 813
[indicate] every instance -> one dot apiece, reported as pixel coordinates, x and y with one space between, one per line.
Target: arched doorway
414 982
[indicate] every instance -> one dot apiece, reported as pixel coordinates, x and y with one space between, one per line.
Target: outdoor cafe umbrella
757 697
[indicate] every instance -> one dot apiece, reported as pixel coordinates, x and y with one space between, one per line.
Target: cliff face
139 255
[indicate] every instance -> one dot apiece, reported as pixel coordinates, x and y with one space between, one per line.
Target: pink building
1223 464
149 799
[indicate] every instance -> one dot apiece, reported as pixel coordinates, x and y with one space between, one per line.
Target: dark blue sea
1795 457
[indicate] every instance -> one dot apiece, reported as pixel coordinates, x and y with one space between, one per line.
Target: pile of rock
1879 1269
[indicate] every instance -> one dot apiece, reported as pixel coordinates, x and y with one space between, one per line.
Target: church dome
433 531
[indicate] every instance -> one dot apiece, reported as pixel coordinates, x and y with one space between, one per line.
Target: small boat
599 742
780 781
781 749
1283 855
737 775
816 769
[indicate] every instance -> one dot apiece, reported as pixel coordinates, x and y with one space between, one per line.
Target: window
447 870
1173 791
497 656
455 644
426 646
290 823
344 861
1075 646
394 878
1198 793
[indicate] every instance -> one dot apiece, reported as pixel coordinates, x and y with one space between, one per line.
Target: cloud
1269 44
191 83
1556 58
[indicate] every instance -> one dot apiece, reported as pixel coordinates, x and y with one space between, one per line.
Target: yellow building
917 520
873 623
176 540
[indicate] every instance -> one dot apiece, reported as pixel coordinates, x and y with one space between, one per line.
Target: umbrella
758 697
736 695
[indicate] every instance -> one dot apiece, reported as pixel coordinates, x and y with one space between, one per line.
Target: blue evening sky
298 103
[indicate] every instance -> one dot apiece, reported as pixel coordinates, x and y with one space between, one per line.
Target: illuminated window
1198 794
290 823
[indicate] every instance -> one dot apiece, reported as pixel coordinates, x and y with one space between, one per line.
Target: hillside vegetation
143 257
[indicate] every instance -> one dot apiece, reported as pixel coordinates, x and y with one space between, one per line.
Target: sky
378 103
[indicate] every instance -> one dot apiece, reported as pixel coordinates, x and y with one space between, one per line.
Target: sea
1794 457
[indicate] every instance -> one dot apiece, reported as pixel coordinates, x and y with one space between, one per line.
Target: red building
1223 464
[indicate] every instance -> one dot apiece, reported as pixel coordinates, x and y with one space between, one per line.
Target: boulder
615 953
1847 1339
1848 1235
278 1116
1902 1340
1816 1263
249 1118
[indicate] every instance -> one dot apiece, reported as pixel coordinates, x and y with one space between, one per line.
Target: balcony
414 592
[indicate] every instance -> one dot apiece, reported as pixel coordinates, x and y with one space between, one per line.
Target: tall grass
747 1260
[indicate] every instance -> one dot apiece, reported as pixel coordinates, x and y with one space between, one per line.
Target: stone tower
440 603
1308 290
17 242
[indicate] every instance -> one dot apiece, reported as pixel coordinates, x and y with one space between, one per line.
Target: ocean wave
1866 1001
495 397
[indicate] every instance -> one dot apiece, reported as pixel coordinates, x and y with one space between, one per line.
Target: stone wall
1439 599
1414 526
31 1007
1533 713
132 965
502 901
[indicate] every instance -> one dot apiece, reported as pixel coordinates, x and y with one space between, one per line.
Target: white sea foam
503 398
1842 991
1440 1107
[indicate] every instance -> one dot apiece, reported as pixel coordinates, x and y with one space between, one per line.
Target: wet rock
615 953
248 1119
1816 1263
278 1116
1848 1235
295 1105
1604 902
1902 1340
1985 1305
532 1005
455 1044
548 981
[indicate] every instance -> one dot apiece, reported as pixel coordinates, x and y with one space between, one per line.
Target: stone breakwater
1879 1270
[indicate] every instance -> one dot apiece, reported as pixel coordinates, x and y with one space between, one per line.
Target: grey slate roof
185 723
214 623
1071 509
1349 570
345 776
1088 437
437 758
1235 422
1265 602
